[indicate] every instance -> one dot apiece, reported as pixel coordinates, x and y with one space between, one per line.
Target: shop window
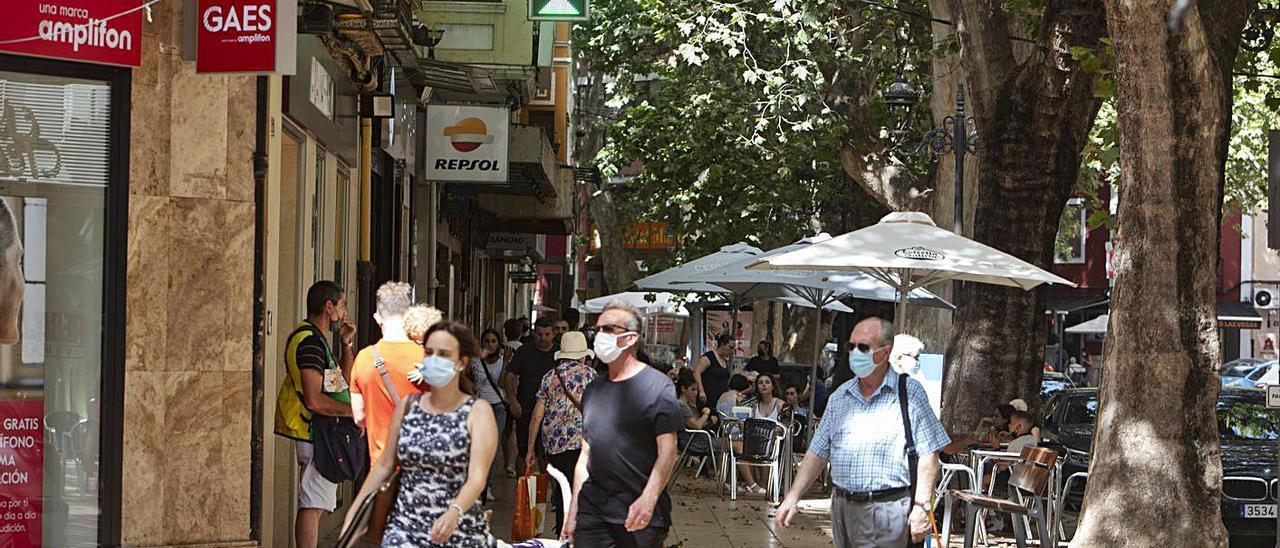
54 167
1073 230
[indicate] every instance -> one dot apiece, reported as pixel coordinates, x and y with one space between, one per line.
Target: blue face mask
437 371
861 363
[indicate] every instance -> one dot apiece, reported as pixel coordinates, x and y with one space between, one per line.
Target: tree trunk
1158 439
1033 115
619 267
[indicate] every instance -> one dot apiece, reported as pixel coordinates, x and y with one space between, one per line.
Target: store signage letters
468 143
91 31
21 472
236 36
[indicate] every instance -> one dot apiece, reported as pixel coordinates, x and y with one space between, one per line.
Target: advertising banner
257 36
21 472
468 143
90 31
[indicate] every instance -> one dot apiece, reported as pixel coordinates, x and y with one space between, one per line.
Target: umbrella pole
817 355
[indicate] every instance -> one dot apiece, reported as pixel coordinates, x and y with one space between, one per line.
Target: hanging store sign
91 31
255 36
467 143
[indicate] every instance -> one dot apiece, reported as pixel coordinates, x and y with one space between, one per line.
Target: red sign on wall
236 36
92 31
21 472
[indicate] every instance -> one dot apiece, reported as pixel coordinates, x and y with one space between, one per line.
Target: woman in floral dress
445 443
558 413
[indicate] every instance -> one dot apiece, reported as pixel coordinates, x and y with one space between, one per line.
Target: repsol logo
468 165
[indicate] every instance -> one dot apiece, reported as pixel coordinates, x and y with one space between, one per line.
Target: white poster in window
467 143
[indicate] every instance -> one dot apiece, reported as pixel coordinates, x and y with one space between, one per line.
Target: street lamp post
956 136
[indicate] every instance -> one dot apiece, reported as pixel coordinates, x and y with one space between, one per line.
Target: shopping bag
531 505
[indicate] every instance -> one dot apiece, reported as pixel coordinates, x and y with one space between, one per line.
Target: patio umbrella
1092 327
662 302
817 287
908 252
682 279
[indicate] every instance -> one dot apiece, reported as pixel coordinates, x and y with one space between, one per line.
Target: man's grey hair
634 319
394 299
886 329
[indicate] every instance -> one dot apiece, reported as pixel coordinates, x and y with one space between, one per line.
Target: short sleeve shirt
864 439
530 364
379 408
622 422
561 420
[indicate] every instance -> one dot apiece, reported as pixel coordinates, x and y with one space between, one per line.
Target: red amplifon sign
236 36
21 472
92 31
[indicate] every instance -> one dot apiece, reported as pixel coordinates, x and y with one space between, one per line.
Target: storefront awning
1238 315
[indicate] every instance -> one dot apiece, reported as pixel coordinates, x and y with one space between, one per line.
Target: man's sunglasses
861 347
613 329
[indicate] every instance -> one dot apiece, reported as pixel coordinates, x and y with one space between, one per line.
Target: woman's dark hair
1006 410
468 347
772 381
723 340
683 382
739 382
492 331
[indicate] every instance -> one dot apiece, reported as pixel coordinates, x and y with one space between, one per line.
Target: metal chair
761 447
1030 480
686 455
951 472
1062 502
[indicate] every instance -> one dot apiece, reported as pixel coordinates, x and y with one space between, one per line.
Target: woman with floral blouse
558 413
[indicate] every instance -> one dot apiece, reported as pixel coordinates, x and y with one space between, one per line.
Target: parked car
1245 372
1270 375
1052 383
1248 434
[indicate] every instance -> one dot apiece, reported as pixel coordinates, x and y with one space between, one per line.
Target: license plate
1258 511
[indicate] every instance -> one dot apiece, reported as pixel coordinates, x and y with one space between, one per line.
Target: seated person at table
794 405
734 396
696 416
995 428
1024 432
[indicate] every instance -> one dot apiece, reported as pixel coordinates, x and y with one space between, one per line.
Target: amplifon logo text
92 33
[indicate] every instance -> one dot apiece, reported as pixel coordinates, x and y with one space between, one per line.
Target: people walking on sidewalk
557 415
524 375
630 420
315 384
443 443
871 449
380 376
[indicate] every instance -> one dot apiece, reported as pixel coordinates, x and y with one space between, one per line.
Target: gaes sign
468 143
90 31
244 36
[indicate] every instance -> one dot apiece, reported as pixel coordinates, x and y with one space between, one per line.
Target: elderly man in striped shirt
864 437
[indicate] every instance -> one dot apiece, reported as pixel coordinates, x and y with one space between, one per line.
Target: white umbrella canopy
907 251
1092 327
661 303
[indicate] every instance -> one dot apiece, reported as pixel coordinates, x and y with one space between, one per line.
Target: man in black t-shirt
630 420
523 376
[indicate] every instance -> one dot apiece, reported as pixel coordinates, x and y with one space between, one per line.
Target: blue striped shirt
864 440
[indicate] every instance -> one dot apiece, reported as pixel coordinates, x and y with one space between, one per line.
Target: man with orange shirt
376 390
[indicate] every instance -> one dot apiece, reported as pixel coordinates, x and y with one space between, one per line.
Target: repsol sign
455 164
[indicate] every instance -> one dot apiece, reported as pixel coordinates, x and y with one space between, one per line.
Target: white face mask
606 347
437 371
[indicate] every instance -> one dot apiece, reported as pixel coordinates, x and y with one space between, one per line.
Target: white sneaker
756 489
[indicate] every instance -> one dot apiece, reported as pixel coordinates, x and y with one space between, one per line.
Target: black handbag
341 452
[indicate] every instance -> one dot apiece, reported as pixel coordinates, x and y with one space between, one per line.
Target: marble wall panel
193 466
198 135
148 287
241 104
149 124
144 448
198 285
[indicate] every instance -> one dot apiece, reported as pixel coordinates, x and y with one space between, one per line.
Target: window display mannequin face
10 276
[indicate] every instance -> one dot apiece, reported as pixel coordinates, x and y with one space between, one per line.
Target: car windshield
1246 418
1049 387
1081 410
1239 370
1258 373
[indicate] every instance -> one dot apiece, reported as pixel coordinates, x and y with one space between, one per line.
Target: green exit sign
559 10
